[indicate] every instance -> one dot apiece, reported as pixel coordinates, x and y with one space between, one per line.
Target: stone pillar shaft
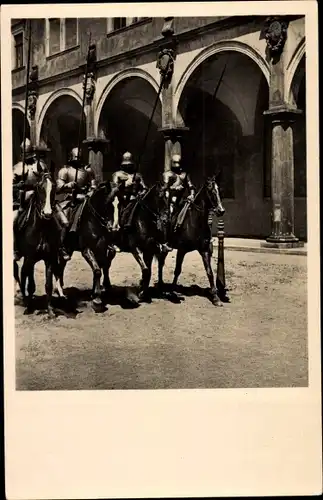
282 178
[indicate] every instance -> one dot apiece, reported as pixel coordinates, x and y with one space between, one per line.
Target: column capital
283 114
173 132
96 144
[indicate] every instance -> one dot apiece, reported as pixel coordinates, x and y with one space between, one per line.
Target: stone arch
227 132
59 126
294 76
124 116
55 95
216 48
125 74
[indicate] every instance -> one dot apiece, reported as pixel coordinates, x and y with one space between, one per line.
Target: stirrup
64 254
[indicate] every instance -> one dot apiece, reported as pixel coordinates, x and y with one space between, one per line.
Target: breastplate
82 176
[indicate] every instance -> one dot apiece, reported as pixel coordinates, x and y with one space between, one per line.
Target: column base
96 144
281 242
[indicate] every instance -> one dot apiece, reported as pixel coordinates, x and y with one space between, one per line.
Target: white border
99 444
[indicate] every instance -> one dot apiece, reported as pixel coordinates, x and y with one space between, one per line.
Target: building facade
235 105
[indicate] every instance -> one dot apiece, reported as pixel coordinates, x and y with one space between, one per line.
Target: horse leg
161 264
16 276
27 272
91 260
49 288
145 274
111 253
206 257
58 272
178 267
146 277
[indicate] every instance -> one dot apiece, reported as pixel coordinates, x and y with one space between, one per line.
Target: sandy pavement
258 340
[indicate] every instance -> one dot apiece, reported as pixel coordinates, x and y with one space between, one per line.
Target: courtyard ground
257 340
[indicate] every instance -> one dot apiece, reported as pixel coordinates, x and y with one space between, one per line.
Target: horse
142 236
38 239
93 239
194 233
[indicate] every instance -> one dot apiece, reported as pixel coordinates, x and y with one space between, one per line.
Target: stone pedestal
173 137
282 178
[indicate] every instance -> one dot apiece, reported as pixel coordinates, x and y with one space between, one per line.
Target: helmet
28 148
176 159
127 159
74 155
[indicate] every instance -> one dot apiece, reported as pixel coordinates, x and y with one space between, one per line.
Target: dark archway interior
124 119
18 133
60 129
299 132
223 104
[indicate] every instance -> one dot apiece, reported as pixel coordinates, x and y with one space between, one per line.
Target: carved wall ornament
168 28
92 57
32 104
276 35
165 63
90 87
34 74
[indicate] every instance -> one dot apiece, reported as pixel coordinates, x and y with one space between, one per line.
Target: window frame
129 23
62 39
19 30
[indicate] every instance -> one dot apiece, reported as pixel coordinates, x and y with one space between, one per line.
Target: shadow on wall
227 136
18 134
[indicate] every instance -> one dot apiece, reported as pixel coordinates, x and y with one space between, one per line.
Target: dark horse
142 235
93 239
194 234
38 239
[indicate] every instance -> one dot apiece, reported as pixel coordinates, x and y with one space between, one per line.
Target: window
17 49
119 22
116 23
62 34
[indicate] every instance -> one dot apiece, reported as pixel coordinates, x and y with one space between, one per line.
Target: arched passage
124 118
227 133
18 133
298 89
60 128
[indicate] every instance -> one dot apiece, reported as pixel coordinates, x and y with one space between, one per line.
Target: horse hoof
98 306
51 314
28 311
145 297
216 301
133 298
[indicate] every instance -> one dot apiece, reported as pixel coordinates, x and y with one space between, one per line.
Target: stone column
282 179
282 117
96 145
173 134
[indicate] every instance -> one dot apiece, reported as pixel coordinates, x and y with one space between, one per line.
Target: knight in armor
24 186
174 184
128 185
75 182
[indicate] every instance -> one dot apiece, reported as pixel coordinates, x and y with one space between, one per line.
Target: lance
149 125
83 105
26 110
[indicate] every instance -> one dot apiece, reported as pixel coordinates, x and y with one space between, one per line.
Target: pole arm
83 104
26 101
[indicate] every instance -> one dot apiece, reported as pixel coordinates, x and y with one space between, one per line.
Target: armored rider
175 182
76 181
128 185
26 185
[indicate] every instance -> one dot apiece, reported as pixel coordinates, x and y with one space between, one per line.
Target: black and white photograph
159 177
159 172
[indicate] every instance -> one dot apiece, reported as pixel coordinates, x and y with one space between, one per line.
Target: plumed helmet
127 159
176 159
73 156
28 148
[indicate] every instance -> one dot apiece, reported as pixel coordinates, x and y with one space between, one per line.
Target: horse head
102 199
213 192
45 195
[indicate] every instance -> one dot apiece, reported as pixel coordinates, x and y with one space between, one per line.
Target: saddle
180 216
24 215
75 213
